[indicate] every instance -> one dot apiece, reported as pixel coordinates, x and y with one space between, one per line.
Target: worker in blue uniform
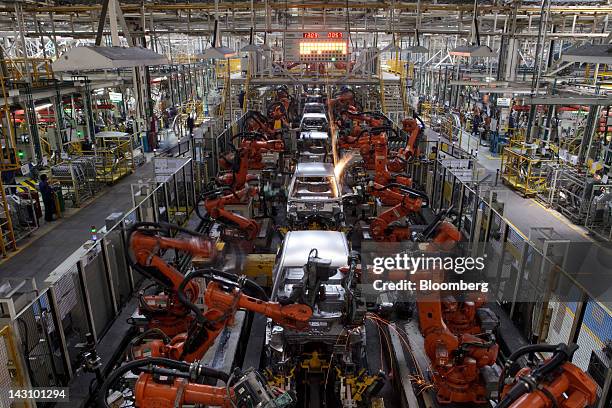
48 196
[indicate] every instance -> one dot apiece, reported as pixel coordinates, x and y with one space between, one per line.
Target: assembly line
305 204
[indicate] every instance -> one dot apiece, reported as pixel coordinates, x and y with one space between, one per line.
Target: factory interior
326 204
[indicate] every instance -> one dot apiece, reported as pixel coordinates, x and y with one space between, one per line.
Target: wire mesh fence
85 296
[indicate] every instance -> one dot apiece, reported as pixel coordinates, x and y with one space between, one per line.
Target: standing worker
476 123
190 124
48 197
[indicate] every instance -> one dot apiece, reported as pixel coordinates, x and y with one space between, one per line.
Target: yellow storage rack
114 155
523 171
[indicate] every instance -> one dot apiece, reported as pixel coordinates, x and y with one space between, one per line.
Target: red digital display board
334 35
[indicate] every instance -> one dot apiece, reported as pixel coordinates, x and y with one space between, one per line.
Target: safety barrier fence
86 293
535 278
224 141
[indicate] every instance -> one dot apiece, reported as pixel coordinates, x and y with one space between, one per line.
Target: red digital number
334 35
310 35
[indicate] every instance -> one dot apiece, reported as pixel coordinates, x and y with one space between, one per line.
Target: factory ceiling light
417 48
472 51
392 47
250 46
589 53
217 51
475 49
94 58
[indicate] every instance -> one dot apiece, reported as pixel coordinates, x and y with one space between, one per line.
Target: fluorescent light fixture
589 53
472 51
218 53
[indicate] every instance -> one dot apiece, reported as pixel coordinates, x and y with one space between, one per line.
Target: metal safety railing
86 293
536 279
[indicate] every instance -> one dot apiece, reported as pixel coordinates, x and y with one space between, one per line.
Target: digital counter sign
330 34
316 46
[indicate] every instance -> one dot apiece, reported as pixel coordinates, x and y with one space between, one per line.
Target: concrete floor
523 213
43 252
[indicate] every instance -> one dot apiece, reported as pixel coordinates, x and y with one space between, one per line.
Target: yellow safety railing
37 69
114 158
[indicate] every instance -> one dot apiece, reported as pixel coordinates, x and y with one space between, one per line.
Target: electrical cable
133 365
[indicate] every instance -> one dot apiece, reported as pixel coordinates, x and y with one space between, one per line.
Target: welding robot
552 383
257 122
147 241
352 123
223 296
462 365
165 383
255 144
400 157
373 147
391 225
341 101
238 175
244 229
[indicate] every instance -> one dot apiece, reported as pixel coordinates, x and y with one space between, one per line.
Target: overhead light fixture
473 51
392 47
217 51
250 47
418 48
589 53
87 58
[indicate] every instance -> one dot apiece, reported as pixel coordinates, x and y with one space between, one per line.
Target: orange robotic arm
178 392
164 311
457 360
221 305
253 144
256 147
411 127
410 201
239 176
257 122
215 207
164 383
406 201
554 383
